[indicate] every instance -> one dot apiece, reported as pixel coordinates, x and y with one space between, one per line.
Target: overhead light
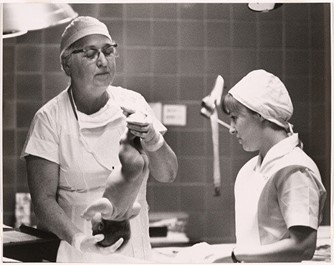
19 18
13 33
263 7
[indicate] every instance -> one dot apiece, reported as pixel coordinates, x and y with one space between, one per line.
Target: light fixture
263 7
19 18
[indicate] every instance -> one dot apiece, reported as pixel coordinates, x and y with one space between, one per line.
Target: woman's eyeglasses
93 53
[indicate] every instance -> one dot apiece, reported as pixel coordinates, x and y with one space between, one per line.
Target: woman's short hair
67 53
230 104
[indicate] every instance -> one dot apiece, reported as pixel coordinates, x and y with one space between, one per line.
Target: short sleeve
299 199
42 139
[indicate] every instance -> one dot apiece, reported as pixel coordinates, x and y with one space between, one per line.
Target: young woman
279 195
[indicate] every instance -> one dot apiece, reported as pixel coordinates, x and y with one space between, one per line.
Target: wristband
234 258
154 144
77 239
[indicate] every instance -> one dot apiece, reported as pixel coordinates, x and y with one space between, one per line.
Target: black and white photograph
166 132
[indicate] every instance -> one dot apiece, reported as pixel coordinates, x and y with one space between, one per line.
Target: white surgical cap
80 27
265 94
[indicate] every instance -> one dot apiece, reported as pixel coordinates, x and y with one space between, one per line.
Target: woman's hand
141 125
163 162
86 243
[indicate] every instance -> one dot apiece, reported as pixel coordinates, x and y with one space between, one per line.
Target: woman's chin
248 148
103 80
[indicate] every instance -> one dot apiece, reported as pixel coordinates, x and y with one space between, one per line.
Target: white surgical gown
87 152
283 191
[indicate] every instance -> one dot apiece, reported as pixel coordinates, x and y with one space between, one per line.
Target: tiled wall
172 53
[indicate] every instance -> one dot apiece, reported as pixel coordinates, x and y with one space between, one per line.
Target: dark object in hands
113 231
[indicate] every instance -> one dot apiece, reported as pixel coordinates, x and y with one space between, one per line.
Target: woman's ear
67 66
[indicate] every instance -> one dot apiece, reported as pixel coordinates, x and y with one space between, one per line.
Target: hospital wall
172 53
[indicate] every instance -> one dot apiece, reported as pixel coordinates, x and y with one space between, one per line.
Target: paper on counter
17 236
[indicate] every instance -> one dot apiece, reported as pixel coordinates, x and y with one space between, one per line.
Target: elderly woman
73 145
279 195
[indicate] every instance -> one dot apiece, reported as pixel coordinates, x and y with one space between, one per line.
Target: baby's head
112 231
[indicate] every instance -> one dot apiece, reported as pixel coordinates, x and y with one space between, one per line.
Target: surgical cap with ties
81 27
265 94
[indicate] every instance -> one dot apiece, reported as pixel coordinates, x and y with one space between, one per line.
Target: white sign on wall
174 115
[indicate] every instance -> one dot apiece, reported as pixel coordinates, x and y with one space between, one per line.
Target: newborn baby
110 215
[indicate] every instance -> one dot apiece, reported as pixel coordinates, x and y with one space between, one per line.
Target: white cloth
265 94
283 191
215 146
87 151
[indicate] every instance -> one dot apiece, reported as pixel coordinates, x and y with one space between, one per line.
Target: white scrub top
284 190
87 152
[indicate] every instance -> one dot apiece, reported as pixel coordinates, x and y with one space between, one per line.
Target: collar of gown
110 112
278 150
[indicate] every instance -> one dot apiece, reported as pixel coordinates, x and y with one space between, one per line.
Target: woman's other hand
87 243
